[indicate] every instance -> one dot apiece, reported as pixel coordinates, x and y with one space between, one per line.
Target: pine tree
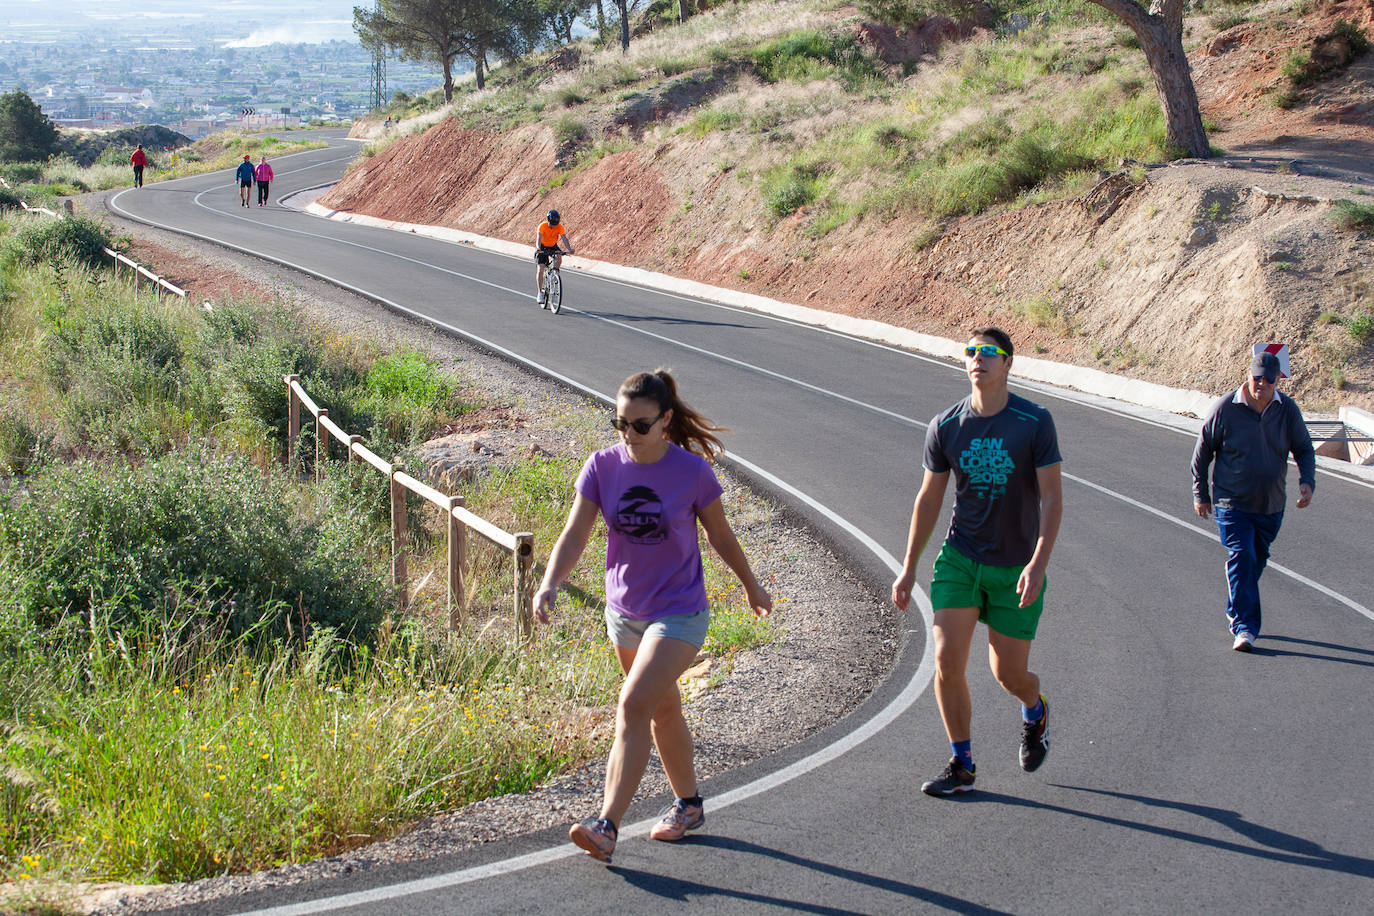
26 134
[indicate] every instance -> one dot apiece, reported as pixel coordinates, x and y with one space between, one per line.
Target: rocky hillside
948 174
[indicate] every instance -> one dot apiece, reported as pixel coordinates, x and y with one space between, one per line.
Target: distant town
194 83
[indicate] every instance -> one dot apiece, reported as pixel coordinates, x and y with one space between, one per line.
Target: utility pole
378 73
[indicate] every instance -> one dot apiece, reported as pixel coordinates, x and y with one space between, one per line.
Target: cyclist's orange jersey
549 235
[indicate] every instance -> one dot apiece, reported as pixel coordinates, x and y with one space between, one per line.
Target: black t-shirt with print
996 518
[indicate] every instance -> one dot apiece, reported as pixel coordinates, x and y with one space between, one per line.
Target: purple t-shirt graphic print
653 561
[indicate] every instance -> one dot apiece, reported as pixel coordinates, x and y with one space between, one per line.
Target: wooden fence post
457 554
352 441
321 445
524 582
398 533
293 420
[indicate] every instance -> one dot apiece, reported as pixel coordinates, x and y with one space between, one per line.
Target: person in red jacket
138 160
263 175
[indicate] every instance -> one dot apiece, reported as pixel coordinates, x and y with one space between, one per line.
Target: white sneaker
1244 642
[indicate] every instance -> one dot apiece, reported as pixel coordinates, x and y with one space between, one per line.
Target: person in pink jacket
263 174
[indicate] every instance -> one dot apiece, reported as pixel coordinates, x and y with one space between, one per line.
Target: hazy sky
239 23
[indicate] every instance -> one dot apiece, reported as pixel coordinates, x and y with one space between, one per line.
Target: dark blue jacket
245 172
1251 451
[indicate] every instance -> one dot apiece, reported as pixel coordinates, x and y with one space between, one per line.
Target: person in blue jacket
1250 433
244 175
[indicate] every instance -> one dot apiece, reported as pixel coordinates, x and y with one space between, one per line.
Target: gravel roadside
836 639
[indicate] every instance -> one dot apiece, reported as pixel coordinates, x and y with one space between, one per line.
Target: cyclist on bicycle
546 249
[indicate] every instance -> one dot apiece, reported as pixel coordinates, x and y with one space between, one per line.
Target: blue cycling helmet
553 217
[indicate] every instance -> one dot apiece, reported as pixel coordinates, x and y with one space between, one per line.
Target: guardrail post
67 206
398 534
352 441
293 419
321 445
457 554
524 582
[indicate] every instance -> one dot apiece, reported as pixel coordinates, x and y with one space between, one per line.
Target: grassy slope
764 149
134 432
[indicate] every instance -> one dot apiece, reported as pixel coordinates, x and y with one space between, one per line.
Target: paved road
1183 776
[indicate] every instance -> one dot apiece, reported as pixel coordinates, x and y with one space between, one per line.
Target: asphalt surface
1182 777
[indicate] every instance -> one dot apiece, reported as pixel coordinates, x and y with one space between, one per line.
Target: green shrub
24 445
1127 39
568 97
1353 217
10 200
899 14
406 397
21 172
568 131
789 188
1298 68
809 55
1223 21
181 541
1301 69
118 370
1361 328
988 165
704 122
74 238
137 760
1285 98
1359 42
672 66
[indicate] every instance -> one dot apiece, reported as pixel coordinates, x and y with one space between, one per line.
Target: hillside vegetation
944 173
90 161
202 666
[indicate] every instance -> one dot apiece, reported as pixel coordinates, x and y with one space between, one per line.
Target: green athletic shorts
961 582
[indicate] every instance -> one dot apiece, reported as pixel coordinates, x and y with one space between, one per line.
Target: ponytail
688 429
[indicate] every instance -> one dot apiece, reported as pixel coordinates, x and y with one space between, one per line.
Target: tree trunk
600 18
1161 38
624 7
479 66
448 77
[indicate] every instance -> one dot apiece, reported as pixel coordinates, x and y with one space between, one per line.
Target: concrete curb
1184 407
1362 423
1093 381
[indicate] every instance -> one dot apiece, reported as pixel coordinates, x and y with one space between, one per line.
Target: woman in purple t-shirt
652 489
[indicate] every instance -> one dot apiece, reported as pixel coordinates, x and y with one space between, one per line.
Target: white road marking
1049 391
899 704
1292 574
1298 577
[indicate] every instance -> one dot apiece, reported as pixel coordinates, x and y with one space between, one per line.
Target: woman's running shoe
596 835
678 818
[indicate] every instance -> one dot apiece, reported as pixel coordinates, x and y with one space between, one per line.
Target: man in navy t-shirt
1004 455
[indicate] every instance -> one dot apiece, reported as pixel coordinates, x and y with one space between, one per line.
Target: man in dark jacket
244 175
1251 433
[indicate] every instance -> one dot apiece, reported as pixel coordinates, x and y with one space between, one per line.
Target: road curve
1183 776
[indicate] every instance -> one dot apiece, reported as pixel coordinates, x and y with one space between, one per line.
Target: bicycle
553 287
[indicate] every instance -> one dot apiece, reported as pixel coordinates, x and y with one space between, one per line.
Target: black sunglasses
640 426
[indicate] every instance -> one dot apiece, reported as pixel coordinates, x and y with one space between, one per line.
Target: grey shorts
627 633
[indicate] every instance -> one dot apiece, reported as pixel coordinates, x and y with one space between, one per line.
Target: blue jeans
1246 537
